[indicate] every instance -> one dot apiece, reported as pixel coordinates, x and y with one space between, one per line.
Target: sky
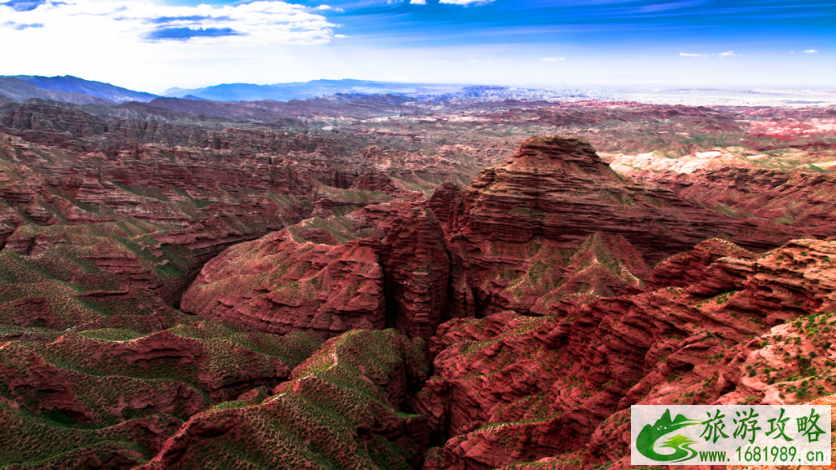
153 45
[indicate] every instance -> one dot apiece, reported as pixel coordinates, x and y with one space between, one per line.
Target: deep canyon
379 282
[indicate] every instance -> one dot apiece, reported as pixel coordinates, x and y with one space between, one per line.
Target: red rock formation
284 282
101 231
532 277
374 154
343 402
152 183
168 210
372 187
119 446
107 393
601 266
444 200
376 180
43 388
686 269
803 200
417 268
550 196
553 186
382 216
335 202
319 253
566 380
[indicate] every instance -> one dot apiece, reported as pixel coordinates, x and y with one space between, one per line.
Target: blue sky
587 22
155 45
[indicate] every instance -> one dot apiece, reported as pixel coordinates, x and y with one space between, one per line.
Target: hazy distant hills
263 102
74 90
320 88
19 90
305 90
348 105
242 102
69 84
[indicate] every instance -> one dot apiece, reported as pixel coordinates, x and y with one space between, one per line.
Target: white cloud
340 36
792 52
686 54
548 59
20 26
727 54
328 7
83 24
461 2
811 51
418 2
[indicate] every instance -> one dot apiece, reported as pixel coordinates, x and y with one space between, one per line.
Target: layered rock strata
545 200
340 410
510 388
416 268
301 278
800 199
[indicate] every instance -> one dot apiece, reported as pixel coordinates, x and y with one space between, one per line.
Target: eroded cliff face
687 268
513 231
802 200
340 410
301 278
557 188
443 202
578 327
172 187
375 180
151 215
333 275
553 223
111 393
417 270
552 248
510 388
131 229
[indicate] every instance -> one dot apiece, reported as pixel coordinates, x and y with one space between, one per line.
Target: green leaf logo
649 435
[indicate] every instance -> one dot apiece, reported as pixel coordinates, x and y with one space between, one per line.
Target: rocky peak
558 146
557 188
443 201
417 269
551 196
376 180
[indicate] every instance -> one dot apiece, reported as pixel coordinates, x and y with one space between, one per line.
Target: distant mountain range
76 90
20 90
311 89
69 84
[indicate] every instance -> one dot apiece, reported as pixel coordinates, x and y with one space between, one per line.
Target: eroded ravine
559 322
